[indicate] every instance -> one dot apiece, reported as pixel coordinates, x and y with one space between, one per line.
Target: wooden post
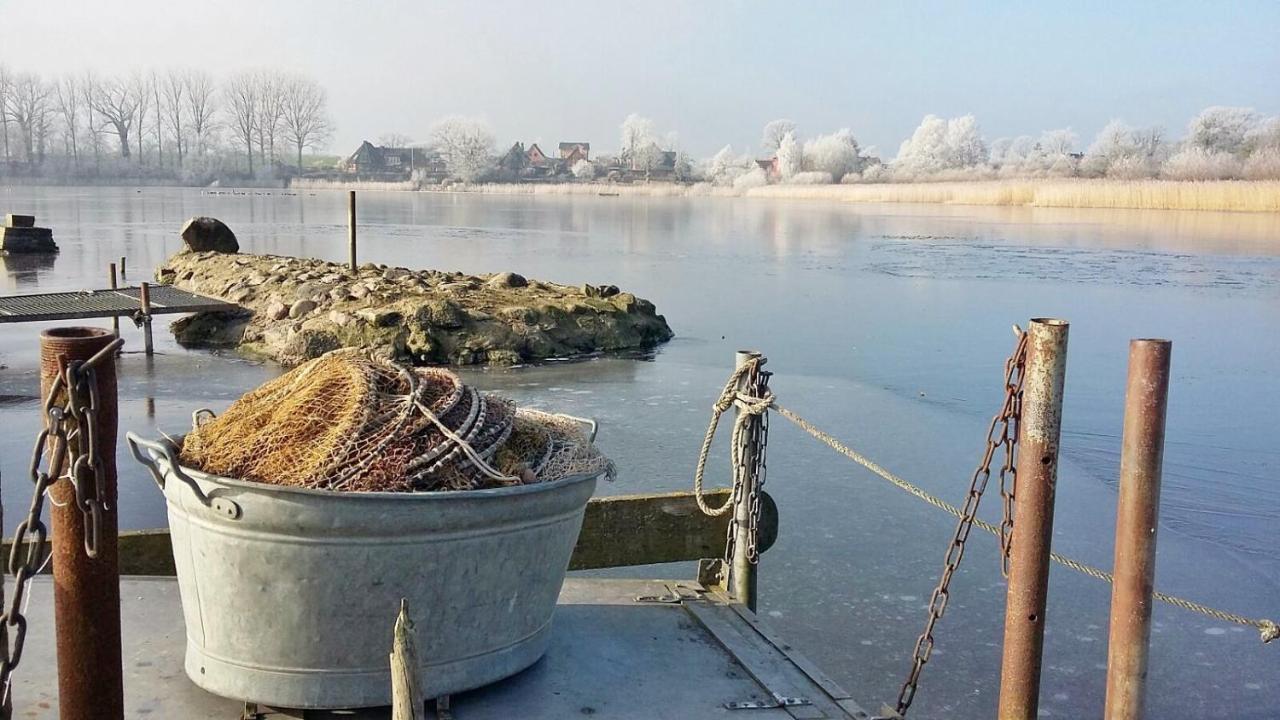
744 571
122 275
115 319
144 297
1137 514
406 688
1037 473
351 226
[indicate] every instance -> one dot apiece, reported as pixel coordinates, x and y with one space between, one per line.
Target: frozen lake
886 325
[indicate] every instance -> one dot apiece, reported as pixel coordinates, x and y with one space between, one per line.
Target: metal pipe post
115 319
1137 513
144 297
351 226
1037 477
86 591
744 571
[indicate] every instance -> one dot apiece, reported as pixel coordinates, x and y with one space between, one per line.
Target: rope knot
1269 630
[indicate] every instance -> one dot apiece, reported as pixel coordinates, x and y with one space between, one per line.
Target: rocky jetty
296 309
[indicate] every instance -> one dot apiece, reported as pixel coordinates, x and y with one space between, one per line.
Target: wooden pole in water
1037 472
144 297
744 571
1137 514
115 319
351 226
406 687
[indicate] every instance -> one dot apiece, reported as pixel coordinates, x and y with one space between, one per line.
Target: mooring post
406 686
744 571
351 226
144 298
122 275
1037 477
115 319
86 591
1137 513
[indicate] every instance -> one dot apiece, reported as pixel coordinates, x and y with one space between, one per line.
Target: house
393 163
771 168
572 152
516 159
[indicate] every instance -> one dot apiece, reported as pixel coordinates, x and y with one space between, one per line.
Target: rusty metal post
115 319
351 227
86 591
744 571
1137 513
144 298
1037 478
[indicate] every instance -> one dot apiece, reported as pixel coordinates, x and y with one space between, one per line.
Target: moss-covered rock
298 308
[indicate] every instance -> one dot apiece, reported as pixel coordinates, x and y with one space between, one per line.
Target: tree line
180 122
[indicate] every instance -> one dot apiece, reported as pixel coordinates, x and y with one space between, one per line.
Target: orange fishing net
349 421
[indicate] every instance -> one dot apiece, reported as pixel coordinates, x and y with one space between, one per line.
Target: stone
277 311
302 307
507 280
441 313
206 234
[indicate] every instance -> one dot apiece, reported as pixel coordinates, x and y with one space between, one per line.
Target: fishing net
349 421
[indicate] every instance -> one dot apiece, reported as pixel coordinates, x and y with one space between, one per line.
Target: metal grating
104 303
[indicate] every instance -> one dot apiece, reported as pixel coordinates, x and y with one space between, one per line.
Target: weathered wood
617 531
406 686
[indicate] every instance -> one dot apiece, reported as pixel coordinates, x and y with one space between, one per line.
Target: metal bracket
675 595
777 702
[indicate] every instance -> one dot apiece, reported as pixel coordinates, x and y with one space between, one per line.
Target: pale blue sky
714 72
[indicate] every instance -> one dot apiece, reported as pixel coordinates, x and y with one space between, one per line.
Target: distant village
520 163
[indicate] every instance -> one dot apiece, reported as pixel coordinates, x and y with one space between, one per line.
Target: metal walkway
103 303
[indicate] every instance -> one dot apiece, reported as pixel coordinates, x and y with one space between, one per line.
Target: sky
713 73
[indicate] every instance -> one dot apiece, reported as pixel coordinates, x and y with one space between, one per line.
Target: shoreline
1248 196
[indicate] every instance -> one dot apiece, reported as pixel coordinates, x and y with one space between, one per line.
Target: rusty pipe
1137 514
745 585
86 592
1039 431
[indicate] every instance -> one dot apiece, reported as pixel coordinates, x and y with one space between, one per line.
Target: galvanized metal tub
290 595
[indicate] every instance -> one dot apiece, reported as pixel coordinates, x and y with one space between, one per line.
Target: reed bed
364 185
1219 195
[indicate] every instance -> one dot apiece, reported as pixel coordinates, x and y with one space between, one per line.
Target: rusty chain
755 402
1002 433
68 444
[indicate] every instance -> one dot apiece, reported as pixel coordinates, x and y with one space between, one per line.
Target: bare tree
140 88
270 108
201 108
773 133
305 120
174 89
154 81
27 105
394 140
241 93
88 87
6 87
67 94
116 103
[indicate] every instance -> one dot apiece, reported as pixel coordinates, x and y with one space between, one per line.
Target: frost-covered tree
1263 164
790 157
465 144
939 145
637 134
1197 163
1058 142
835 154
726 166
1265 135
584 170
773 133
753 178
1222 129
1124 152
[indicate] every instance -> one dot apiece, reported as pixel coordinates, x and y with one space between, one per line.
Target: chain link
68 445
754 402
1002 433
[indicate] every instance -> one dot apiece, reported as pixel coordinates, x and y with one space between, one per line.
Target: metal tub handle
589 422
167 450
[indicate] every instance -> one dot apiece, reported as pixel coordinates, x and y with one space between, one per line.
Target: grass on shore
1220 195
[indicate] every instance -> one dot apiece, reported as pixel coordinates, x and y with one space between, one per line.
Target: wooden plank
765 662
617 531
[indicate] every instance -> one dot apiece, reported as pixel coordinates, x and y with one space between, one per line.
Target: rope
729 397
1268 629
